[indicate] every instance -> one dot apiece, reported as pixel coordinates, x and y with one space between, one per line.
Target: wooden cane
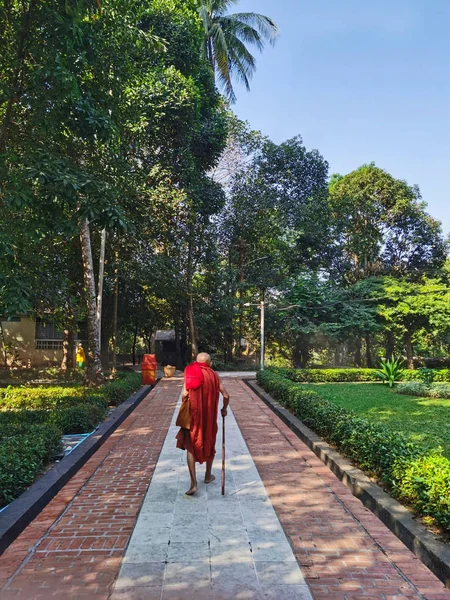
223 455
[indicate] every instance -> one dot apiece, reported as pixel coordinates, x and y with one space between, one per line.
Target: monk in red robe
203 386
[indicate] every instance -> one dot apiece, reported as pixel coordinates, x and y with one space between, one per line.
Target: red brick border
74 548
344 550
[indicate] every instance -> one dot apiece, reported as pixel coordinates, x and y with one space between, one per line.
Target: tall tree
226 37
380 225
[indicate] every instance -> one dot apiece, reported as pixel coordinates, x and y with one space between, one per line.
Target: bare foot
191 491
209 479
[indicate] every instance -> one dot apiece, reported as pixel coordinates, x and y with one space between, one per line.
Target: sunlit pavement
286 528
209 546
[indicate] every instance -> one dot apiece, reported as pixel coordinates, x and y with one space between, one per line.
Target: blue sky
360 81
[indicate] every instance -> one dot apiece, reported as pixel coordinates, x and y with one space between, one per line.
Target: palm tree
226 40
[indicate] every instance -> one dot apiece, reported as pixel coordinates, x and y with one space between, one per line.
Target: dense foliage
111 125
417 477
32 421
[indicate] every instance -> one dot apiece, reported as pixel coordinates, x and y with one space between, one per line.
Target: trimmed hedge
352 375
32 421
381 452
23 455
327 375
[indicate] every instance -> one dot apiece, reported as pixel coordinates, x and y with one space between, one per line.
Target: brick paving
345 552
74 548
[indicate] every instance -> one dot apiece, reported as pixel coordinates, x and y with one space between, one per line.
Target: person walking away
80 357
202 387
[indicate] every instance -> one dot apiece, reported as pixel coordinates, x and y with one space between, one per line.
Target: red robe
203 384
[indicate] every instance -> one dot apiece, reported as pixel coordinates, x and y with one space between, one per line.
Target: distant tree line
131 197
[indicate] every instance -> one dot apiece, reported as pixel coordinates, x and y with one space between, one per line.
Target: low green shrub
376 449
426 375
78 419
425 484
32 421
327 375
355 375
121 389
23 456
39 398
439 375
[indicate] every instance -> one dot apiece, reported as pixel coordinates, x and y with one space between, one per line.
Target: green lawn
423 420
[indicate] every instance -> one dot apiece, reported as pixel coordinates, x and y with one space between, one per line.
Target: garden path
107 533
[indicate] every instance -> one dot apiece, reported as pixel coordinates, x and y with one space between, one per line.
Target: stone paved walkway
209 546
79 546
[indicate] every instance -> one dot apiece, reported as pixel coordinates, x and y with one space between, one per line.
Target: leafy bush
439 375
32 421
353 375
419 478
40 398
425 484
326 375
79 419
390 370
426 375
121 389
23 456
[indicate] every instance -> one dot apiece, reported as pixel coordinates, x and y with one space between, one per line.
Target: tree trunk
389 345
94 374
5 352
115 309
190 306
369 360
409 350
180 361
358 358
241 293
134 344
337 357
67 359
101 272
301 353
153 341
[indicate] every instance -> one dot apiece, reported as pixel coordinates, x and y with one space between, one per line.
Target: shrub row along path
108 535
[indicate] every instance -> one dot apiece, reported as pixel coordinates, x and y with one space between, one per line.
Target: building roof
165 335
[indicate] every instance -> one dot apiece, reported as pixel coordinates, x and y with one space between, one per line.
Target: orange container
148 368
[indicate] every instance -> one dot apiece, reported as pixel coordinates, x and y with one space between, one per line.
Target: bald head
203 357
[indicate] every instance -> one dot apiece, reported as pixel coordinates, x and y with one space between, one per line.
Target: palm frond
241 31
204 14
267 28
242 64
220 49
220 7
226 37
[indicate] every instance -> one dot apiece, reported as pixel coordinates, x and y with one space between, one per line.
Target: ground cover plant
434 390
418 476
33 419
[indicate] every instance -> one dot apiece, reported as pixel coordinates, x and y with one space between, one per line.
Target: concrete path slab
209 546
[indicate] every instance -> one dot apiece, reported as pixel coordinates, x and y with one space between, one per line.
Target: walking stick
223 456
